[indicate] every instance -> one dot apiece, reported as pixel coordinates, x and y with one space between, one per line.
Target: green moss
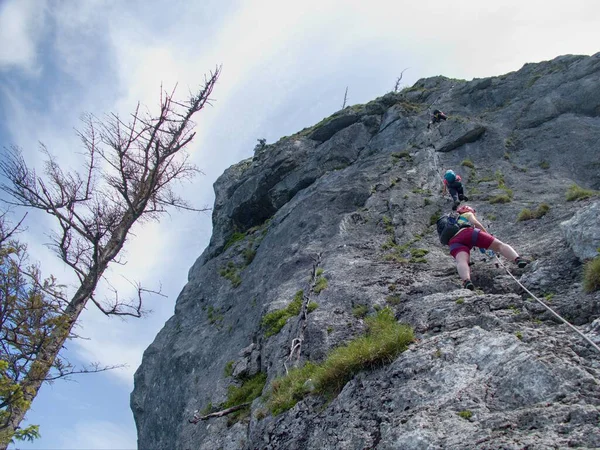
466 414
385 339
426 202
545 165
329 330
508 143
460 301
320 284
311 307
320 271
468 163
591 275
274 321
360 311
392 287
578 193
506 155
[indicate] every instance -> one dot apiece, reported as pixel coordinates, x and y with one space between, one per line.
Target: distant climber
436 117
462 231
453 183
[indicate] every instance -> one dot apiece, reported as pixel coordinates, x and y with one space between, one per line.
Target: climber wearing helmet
453 184
473 234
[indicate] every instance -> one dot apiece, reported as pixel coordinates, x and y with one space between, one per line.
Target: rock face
582 232
354 197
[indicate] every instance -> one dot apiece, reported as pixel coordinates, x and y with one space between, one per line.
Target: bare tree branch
128 176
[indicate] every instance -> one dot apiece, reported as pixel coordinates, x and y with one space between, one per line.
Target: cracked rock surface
354 197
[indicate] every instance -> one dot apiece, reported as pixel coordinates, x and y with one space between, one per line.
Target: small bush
385 339
274 321
468 163
591 275
360 311
578 193
426 202
466 414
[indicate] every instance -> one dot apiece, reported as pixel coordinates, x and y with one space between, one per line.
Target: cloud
21 27
98 435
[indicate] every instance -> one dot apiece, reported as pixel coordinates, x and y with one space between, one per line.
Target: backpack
448 226
450 176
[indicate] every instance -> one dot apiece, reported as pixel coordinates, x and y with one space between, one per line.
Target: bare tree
129 174
399 79
345 98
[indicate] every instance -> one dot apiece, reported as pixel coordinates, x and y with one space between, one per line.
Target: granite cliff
343 212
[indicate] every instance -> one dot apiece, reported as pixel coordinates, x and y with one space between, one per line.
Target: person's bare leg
462 265
504 249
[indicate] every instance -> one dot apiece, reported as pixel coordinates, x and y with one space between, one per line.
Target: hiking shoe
468 285
455 205
465 198
520 262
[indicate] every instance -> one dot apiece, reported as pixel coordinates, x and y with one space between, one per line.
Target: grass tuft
527 214
578 193
468 163
384 341
466 414
360 311
274 321
320 285
591 275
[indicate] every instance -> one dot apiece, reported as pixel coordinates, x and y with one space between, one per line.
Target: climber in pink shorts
474 234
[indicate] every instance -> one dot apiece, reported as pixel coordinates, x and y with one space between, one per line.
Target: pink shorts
468 238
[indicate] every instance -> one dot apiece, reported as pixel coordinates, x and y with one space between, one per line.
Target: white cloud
21 25
98 435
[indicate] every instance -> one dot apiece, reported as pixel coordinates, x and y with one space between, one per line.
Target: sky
285 66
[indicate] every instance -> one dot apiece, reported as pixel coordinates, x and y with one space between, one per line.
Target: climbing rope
548 308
